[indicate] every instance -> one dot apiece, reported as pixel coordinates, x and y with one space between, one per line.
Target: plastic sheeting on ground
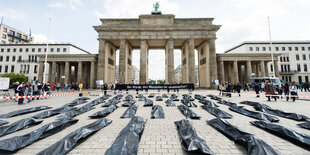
66 144
19 125
128 103
24 111
104 113
127 141
188 97
148 103
2 122
224 102
151 95
19 142
128 98
49 113
253 114
157 112
199 97
190 139
214 97
254 145
139 96
188 103
142 98
164 96
170 103
305 125
300 139
130 112
159 98
111 102
208 102
188 113
277 112
216 111
78 101
174 97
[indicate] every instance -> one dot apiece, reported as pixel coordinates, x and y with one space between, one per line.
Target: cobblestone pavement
160 135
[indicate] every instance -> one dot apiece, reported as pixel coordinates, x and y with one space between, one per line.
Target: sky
241 20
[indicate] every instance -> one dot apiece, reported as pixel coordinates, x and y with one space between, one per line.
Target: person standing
35 91
57 86
256 88
269 89
286 91
238 88
80 86
293 90
105 88
21 92
228 87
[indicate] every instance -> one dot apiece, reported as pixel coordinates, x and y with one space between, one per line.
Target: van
276 81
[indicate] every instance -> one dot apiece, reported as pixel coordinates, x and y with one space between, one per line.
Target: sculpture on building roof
156 11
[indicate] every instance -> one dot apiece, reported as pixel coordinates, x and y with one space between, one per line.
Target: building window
299 79
13 58
2 50
283 48
306 79
0 69
6 68
308 48
44 49
304 57
52 49
1 58
289 68
290 48
285 68
305 68
3 36
298 68
8 50
35 68
64 49
277 48
28 69
297 57
264 48
33 49
287 59
20 50
7 58
12 69
257 48
251 48
5 29
39 49
58 49
35 59
303 48
27 50
271 69
19 58
14 49
296 48
284 60
281 68
280 59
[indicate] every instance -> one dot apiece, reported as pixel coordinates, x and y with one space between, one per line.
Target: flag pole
45 63
271 50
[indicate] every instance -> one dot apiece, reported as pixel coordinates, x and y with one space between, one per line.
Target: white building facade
10 35
135 74
21 58
293 63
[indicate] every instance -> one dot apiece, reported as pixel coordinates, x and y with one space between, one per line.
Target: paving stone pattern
160 135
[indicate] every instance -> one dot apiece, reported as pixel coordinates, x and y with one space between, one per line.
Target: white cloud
72 4
12 14
41 38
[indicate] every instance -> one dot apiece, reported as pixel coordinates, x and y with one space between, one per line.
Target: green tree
15 77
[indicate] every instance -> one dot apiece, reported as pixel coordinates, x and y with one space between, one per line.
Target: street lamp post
45 63
271 50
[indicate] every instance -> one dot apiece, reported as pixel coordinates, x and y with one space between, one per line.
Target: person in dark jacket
286 89
21 92
228 88
238 88
269 89
257 89
105 88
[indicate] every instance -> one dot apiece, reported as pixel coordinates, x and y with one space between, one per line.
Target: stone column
53 72
67 71
169 78
144 62
235 66
262 68
248 70
92 74
276 69
222 80
101 58
79 73
184 60
49 72
41 68
191 62
122 74
213 61
266 68
61 73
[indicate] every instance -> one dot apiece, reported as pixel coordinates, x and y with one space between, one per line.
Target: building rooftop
268 42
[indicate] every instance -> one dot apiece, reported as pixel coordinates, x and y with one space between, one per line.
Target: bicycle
4 96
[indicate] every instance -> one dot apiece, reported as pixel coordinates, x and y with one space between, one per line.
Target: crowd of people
288 90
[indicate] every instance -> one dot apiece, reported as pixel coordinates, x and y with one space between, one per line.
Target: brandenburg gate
157 32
